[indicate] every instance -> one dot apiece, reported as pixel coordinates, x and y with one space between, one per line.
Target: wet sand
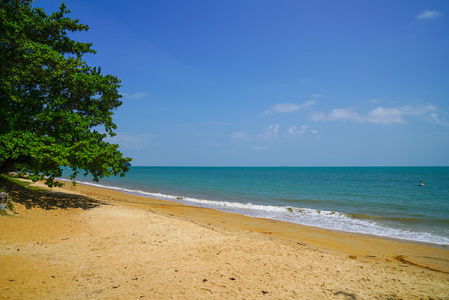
85 242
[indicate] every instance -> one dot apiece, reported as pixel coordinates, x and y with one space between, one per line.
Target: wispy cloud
239 136
336 115
293 130
134 96
439 120
429 15
299 132
287 107
375 100
260 148
272 132
379 115
133 141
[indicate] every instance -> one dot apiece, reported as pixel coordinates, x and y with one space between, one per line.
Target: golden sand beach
85 242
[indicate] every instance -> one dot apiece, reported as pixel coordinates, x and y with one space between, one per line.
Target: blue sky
275 83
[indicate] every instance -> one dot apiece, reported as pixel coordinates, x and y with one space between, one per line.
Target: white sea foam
305 216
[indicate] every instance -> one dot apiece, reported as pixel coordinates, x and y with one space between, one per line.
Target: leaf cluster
55 110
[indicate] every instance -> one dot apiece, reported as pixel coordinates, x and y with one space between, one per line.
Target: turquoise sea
383 201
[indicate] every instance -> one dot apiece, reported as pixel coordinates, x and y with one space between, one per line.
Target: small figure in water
421 184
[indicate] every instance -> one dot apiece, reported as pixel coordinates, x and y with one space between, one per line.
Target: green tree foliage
55 110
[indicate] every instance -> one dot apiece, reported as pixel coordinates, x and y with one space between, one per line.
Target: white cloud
438 120
379 115
304 129
429 15
336 115
260 148
287 107
134 96
274 129
271 132
318 117
239 136
293 130
317 96
345 114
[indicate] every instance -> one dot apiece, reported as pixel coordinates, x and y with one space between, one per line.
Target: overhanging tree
55 110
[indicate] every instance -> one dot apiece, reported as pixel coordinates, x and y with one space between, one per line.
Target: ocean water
383 201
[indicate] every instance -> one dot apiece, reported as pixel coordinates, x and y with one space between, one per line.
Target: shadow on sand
47 199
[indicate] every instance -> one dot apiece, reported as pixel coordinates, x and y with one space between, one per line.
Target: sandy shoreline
121 246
